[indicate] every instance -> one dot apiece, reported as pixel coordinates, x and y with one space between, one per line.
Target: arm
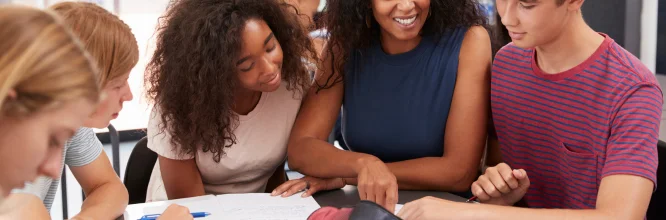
610 204
308 149
493 153
106 196
23 206
466 126
181 178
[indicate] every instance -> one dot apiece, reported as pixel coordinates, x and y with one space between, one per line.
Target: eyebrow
268 39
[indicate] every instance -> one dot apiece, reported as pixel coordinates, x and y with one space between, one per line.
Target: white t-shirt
261 147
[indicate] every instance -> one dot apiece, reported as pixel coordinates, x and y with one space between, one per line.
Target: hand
310 185
378 184
430 208
500 185
176 212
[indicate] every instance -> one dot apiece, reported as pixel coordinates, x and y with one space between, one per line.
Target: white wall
649 33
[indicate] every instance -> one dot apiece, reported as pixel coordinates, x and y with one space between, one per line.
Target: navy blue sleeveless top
395 107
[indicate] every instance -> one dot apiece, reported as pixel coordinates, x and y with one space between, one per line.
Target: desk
348 197
345 197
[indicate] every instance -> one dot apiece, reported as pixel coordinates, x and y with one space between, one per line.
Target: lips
406 20
517 35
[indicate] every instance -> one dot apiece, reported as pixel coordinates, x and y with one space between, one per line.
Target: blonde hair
107 38
42 61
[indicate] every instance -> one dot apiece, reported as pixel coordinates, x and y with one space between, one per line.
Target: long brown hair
42 61
193 75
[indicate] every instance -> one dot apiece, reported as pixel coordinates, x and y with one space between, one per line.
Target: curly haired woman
413 80
227 80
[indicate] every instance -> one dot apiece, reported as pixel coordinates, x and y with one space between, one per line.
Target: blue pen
194 215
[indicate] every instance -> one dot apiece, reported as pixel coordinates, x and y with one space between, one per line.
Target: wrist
363 162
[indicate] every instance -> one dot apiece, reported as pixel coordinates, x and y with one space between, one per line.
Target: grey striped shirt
82 149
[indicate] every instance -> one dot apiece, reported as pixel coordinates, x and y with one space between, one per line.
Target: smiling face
260 64
401 19
532 23
32 146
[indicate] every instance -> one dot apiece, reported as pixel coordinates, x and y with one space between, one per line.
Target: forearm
106 202
434 173
493 212
422 174
23 206
314 157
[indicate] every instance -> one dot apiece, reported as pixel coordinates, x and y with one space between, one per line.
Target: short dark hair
560 2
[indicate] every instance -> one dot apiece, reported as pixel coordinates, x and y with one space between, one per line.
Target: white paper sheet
235 207
397 208
265 207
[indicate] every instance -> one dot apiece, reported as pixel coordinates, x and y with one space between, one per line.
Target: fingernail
304 195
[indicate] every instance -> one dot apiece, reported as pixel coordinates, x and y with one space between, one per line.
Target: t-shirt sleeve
83 148
160 141
632 147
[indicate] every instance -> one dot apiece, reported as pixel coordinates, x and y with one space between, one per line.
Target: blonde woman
47 89
114 48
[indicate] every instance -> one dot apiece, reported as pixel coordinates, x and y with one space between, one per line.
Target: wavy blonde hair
42 62
107 38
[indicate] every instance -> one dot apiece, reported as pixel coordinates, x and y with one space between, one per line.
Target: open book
253 206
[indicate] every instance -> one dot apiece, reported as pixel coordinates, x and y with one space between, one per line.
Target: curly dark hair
346 23
192 75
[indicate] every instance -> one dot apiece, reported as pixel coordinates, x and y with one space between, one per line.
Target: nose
128 96
406 5
507 14
52 163
269 66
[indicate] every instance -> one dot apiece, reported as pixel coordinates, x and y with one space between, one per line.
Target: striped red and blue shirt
569 130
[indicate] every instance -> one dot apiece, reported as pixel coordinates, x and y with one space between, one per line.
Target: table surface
348 197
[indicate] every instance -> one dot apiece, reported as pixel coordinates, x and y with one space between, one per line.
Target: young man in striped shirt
577 120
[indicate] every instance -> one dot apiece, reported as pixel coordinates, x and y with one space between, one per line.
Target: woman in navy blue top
413 79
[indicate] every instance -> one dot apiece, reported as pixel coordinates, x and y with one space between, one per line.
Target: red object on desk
331 213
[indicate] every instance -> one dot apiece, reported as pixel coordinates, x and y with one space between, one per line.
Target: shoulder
623 62
83 148
475 51
84 137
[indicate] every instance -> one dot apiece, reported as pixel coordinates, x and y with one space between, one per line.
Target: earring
429 13
368 21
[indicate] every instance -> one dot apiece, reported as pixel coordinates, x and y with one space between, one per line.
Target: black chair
137 173
658 202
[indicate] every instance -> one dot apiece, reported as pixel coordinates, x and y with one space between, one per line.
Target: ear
574 5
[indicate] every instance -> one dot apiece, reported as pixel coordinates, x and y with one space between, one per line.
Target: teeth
407 21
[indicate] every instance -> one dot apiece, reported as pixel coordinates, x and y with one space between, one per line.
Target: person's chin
523 44
272 87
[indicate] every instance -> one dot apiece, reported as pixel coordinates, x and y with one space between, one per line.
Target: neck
245 100
575 44
393 46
